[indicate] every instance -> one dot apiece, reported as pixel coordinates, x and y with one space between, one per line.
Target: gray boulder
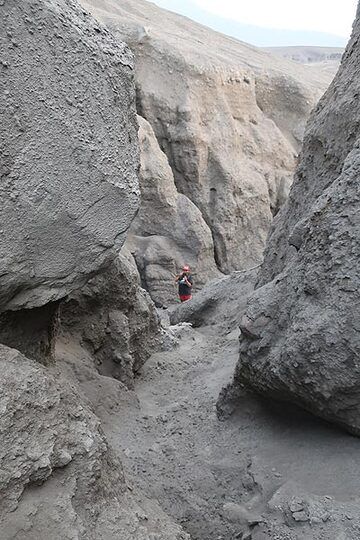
115 319
68 146
301 330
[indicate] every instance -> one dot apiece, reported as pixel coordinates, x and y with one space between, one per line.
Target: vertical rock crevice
227 115
169 229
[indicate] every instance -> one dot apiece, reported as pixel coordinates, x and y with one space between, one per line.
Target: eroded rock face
115 319
169 230
301 330
68 145
59 478
229 117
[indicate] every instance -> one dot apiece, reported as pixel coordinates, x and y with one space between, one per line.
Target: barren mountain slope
229 116
308 55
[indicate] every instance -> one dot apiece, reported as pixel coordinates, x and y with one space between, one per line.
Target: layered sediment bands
229 117
68 146
300 332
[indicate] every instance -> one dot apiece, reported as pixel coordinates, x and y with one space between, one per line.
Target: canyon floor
225 479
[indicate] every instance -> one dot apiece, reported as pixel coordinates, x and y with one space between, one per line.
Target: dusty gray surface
69 152
301 329
59 479
169 230
115 319
229 116
277 473
266 473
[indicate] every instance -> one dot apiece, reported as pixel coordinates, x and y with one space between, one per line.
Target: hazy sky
332 18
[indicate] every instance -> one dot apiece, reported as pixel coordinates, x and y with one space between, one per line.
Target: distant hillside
308 55
326 59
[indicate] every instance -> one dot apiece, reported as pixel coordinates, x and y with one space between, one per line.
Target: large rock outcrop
114 318
229 116
68 146
59 479
301 330
69 191
169 229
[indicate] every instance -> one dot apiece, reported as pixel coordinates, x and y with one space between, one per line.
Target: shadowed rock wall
301 330
115 319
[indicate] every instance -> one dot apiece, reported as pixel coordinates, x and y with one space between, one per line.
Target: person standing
185 284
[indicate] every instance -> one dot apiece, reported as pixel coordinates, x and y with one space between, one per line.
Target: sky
273 22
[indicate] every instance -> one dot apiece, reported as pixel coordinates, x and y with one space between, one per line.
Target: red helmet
186 268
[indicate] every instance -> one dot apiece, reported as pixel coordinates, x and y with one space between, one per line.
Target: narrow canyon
134 141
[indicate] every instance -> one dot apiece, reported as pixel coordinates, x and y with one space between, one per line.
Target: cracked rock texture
115 319
68 145
229 116
301 329
59 479
169 229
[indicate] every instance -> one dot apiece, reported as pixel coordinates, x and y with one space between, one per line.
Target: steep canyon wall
300 333
230 119
69 192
